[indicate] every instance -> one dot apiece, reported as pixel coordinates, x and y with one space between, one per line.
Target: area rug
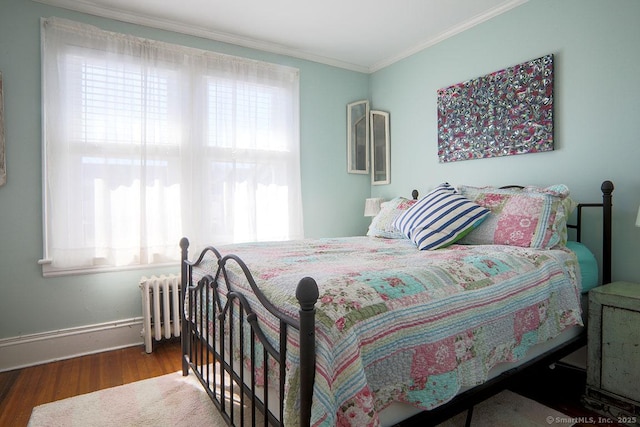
509 409
172 400
169 400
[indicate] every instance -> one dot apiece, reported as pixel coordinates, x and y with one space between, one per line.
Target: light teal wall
596 107
30 303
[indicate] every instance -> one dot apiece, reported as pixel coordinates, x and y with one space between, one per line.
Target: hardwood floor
23 389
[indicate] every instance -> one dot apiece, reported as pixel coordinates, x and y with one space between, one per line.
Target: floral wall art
503 113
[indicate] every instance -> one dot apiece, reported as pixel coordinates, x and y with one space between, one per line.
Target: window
145 142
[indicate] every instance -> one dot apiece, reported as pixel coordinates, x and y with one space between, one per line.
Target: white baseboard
44 347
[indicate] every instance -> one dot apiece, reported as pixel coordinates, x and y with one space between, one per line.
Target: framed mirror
380 150
358 137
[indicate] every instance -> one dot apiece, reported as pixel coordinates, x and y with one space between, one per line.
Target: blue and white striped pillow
440 218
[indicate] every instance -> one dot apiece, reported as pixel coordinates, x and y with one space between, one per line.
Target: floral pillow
527 217
440 218
382 223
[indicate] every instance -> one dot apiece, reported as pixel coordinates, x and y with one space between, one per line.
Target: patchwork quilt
397 324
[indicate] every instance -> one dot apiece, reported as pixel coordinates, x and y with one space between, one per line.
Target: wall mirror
380 150
358 137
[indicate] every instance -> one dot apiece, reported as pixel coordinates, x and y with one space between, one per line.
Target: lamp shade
638 219
372 206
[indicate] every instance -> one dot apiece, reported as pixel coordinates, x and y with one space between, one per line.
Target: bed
408 325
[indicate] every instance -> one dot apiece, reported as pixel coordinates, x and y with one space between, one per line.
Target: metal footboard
224 345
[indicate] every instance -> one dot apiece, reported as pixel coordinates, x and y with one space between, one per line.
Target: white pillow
440 218
382 224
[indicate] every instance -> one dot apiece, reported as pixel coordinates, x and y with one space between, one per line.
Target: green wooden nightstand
613 352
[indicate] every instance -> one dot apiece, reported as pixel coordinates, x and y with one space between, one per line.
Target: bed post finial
607 190
307 294
607 187
184 247
184 244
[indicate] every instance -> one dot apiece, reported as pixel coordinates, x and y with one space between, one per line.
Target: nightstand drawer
620 349
613 352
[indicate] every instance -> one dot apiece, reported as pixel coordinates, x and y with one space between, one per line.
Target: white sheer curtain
144 142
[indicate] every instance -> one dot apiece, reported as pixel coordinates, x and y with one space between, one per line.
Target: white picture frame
380 148
358 137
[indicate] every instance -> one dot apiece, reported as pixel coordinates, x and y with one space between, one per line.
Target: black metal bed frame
233 386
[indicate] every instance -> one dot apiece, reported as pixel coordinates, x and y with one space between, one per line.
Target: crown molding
470 23
178 27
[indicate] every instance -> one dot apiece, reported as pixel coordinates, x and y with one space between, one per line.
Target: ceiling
361 35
